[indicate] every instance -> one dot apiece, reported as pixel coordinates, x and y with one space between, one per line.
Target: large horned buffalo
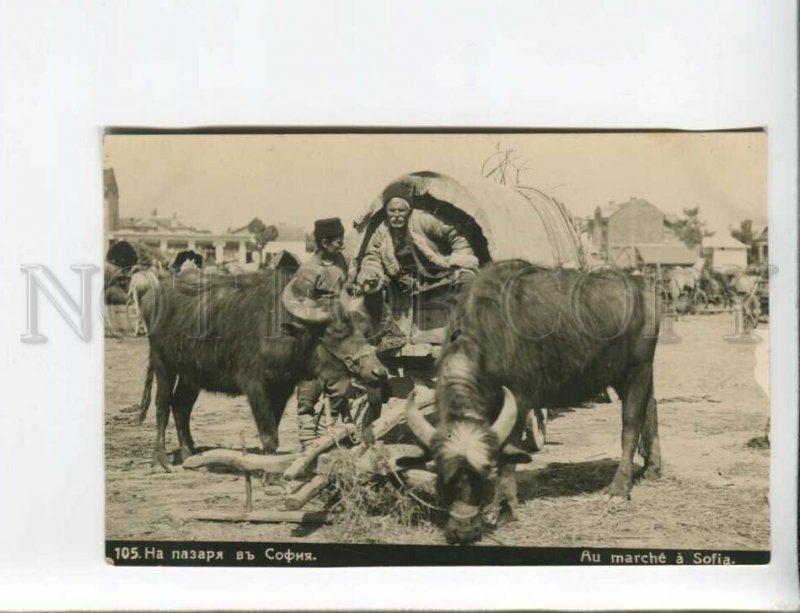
231 334
525 337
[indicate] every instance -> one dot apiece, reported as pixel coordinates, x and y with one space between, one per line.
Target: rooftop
723 240
158 224
666 254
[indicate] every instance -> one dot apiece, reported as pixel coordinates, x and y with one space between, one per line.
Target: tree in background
690 228
262 232
504 166
744 234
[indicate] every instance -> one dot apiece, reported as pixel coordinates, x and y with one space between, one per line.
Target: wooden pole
298 500
291 487
266 517
245 463
248 491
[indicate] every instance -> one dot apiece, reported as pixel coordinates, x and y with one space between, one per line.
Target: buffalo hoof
160 459
616 500
496 516
185 454
616 493
491 517
652 472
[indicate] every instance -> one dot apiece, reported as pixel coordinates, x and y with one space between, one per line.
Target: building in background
635 233
296 248
291 239
110 200
653 255
171 235
761 248
724 253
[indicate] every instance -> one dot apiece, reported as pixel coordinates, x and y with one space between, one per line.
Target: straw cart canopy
500 222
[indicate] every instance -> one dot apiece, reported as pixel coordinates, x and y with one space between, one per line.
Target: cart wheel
535 430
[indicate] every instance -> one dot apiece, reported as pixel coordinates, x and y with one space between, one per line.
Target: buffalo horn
507 419
417 422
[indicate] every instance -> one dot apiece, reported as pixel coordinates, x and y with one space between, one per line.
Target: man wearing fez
319 281
412 246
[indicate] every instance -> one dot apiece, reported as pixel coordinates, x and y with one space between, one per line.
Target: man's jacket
437 248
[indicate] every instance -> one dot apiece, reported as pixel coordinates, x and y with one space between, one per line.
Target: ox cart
499 222
746 289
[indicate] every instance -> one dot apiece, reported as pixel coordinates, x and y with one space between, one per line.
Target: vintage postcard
436 348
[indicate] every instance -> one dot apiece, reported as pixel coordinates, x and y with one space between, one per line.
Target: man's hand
407 283
370 283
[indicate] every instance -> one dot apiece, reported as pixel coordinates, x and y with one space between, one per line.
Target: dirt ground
714 493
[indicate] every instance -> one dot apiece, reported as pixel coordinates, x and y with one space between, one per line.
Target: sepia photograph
388 348
399 306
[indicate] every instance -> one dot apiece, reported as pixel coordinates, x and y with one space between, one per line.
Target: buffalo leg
166 382
635 394
649 447
505 492
267 411
278 399
182 404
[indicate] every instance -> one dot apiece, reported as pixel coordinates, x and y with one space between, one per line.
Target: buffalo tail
146 392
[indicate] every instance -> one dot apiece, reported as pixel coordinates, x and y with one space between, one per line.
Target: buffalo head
340 344
344 341
467 453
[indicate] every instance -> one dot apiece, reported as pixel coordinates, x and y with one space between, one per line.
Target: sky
220 181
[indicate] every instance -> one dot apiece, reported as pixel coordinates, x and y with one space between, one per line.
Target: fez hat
330 227
398 190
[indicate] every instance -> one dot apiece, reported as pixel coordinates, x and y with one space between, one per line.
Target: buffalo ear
292 328
514 455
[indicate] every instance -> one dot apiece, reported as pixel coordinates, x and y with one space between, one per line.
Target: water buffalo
231 334
536 338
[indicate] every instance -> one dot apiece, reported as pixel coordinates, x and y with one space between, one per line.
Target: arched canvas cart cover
500 222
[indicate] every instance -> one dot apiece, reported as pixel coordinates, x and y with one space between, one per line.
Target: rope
496 540
407 490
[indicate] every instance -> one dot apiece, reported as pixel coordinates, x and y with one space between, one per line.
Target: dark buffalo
231 334
524 338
